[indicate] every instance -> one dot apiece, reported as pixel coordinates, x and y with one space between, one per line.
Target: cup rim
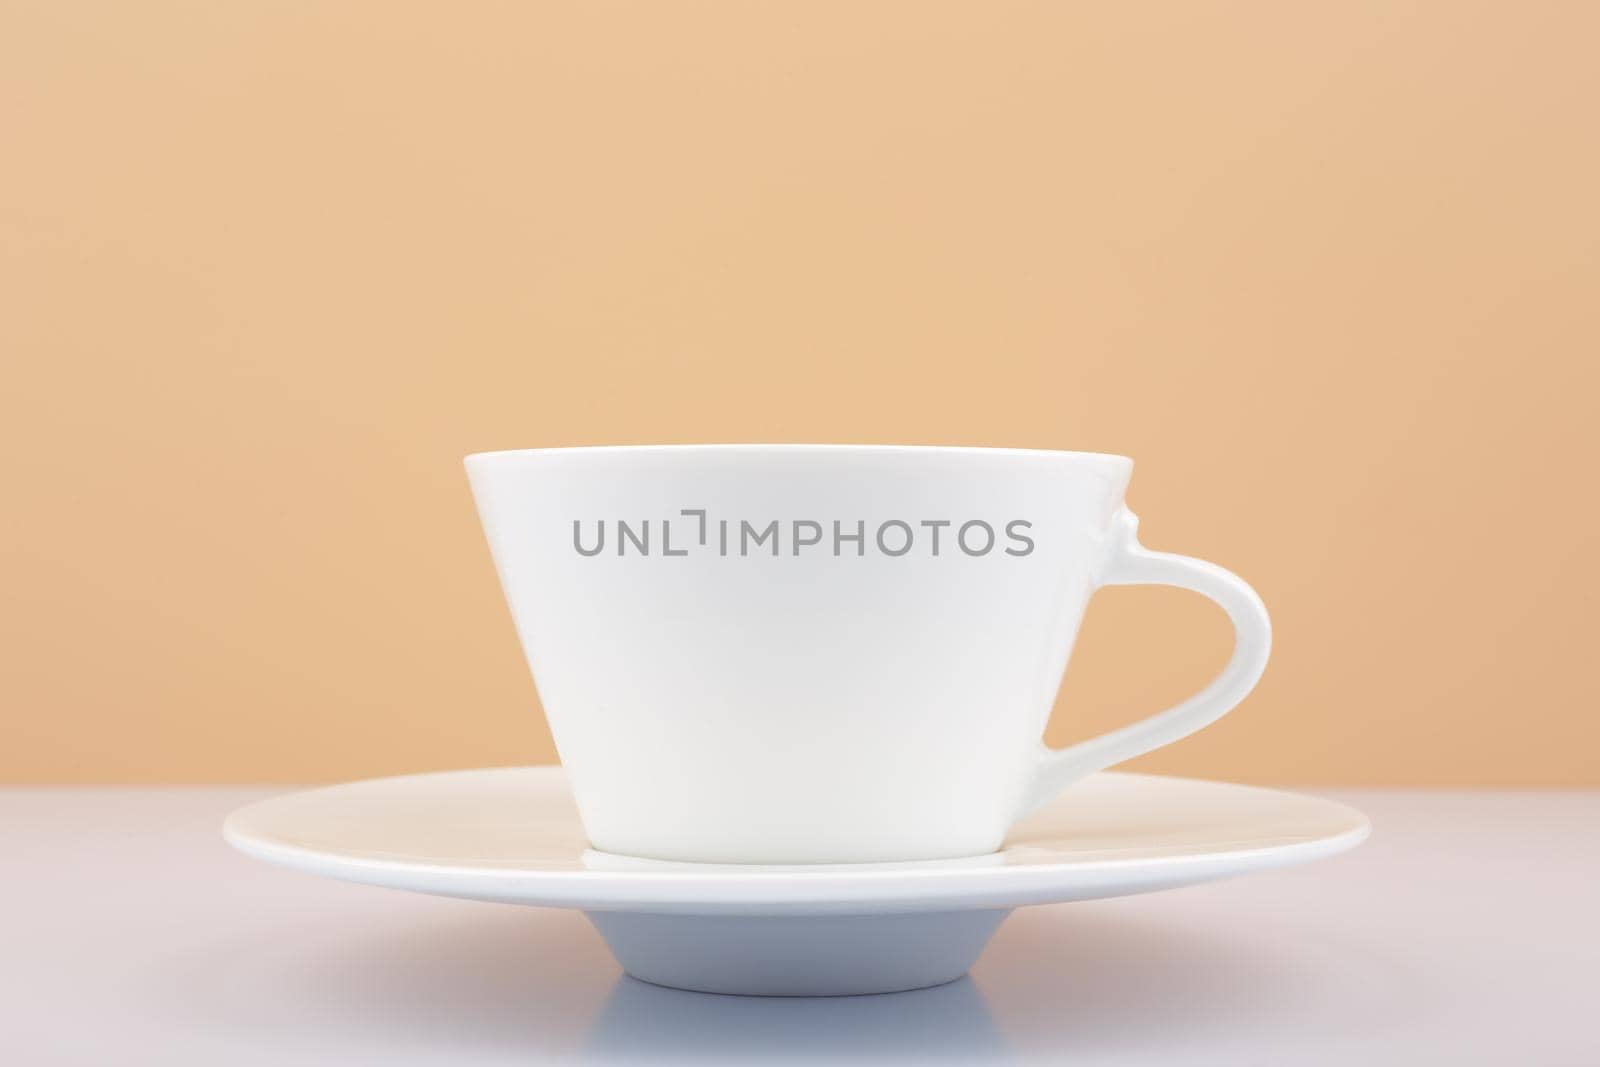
1111 458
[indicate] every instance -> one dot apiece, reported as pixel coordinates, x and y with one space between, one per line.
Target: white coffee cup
823 653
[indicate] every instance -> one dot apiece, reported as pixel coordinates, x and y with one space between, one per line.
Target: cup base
765 852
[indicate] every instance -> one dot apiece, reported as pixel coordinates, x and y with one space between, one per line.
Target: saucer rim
802 889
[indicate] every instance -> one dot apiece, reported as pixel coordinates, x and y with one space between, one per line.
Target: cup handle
1130 563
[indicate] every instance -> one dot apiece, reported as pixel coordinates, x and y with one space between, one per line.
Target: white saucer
512 835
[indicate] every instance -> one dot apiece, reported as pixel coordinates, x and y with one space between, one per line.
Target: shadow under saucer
646 1022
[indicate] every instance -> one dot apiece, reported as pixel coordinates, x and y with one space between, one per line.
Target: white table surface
1467 930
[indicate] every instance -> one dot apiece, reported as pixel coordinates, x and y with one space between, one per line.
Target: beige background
1328 271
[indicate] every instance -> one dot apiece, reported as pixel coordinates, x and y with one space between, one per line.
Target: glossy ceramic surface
512 835
862 644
